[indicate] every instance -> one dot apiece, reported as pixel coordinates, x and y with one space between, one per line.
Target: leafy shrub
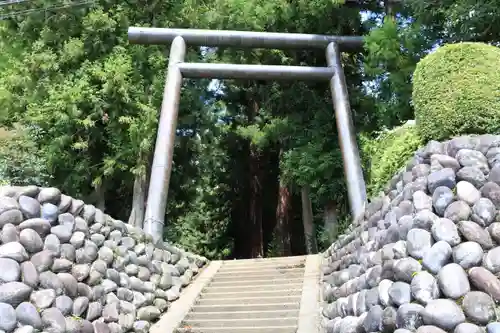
387 154
21 162
456 90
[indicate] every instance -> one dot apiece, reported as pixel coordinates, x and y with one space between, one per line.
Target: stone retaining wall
68 267
425 257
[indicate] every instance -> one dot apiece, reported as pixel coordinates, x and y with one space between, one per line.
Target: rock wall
68 267
425 257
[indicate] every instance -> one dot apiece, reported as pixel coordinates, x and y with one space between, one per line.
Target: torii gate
177 69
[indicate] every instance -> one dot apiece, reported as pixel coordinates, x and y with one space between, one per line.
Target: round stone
29 207
27 314
483 212
472 158
400 293
404 269
424 287
468 192
9 270
473 232
493 327
445 230
437 256
441 199
422 201
491 260
468 254
485 281
444 177
409 316
8 319
453 281
429 329
473 175
418 241
468 328
479 307
443 313
31 240
458 211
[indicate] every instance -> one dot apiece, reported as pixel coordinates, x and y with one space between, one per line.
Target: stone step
251 296
269 329
238 307
244 294
266 270
248 300
254 287
257 261
235 323
244 314
255 282
296 273
292 263
297 264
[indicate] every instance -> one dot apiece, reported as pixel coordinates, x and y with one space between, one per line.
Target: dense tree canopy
250 156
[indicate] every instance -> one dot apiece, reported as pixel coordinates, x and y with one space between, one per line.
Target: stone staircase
278 295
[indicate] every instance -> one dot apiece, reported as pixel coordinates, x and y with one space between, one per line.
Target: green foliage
273 247
388 153
459 20
392 51
263 135
89 97
203 228
90 101
21 162
199 213
324 236
457 91
325 175
291 119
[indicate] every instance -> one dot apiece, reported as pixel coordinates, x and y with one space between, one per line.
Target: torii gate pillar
177 69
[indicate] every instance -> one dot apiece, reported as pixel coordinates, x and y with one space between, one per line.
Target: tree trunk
257 244
100 197
388 8
136 217
330 221
283 234
307 220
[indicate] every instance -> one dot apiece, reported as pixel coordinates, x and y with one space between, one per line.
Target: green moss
388 153
456 91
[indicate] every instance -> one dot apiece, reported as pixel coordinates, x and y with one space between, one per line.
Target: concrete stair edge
253 293
255 287
228 308
241 322
273 329
262 260
248 300
214 283
283 313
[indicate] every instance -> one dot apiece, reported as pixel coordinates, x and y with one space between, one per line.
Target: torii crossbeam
177 69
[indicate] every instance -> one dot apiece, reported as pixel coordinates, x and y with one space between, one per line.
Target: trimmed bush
388 153
456 91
